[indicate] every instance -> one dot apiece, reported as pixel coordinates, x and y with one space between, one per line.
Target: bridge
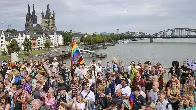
167 34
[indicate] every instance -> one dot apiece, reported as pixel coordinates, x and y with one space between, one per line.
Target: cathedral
47 21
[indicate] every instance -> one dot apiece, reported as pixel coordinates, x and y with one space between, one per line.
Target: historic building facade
36 33
48 20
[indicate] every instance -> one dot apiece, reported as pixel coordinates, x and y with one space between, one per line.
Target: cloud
106 15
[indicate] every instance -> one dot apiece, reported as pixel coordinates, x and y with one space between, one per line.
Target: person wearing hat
126 91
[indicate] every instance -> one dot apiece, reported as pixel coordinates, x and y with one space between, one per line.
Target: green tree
67 37
3 52
11 30
47 44
27 45
13 47
95 39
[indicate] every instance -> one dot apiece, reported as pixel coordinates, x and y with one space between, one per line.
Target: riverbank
24 55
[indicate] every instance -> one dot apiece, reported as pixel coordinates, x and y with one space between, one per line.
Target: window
1 41
1 37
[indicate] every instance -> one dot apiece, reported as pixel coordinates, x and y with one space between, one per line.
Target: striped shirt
75 89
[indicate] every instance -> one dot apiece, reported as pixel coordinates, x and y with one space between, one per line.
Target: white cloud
106 15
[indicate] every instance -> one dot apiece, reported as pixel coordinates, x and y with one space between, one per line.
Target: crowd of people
50 85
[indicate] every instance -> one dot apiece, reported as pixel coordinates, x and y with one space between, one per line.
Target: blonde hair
114 59
191 99
101 88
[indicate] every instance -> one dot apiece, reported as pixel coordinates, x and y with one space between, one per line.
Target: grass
4 57
24 54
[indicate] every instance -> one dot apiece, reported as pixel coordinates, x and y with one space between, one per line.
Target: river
161 50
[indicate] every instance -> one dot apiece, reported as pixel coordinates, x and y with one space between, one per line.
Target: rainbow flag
81 60
75 52
131 100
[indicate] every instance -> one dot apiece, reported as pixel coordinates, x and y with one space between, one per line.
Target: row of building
37 40
36 33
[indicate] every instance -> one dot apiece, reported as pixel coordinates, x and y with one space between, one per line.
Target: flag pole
71 66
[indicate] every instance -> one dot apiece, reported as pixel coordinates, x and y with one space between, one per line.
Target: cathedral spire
29 8
33 8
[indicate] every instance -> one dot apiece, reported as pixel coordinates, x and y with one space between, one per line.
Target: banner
191 64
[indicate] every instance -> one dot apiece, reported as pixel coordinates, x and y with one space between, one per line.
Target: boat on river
104 47
101 55
134 39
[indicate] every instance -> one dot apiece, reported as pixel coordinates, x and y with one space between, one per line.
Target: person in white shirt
78 103
98 67
88 96
55 63
83 69
78 72
126 91
162 103
130 67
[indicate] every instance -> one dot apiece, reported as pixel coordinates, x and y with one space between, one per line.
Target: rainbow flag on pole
75 52
81 60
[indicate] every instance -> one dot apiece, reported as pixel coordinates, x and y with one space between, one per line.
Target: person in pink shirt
50 100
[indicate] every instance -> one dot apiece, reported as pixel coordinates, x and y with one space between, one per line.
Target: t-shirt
107 91
37 94
79 105
153 95
117 101
139 102
141 83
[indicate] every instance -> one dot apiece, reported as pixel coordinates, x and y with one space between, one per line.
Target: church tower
28 23
48 20
30 19
34 17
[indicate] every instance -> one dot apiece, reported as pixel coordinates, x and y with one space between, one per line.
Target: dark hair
161 92
175 63
174 75
192 74
77 64
136 88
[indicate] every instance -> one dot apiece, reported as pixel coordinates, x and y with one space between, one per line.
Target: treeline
67 37
90 39
96 39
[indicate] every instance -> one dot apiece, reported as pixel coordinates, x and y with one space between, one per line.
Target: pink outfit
50 102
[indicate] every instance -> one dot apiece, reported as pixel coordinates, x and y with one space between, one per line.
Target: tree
95 39
11 30
13 47
3 52
67 37
47 44
27 45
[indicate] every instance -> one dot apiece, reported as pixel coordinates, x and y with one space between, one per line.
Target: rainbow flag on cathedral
75 52
81 60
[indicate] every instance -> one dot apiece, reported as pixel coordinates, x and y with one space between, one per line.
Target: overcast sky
105 15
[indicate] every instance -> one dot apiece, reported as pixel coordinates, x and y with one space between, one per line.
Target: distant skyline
90 16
